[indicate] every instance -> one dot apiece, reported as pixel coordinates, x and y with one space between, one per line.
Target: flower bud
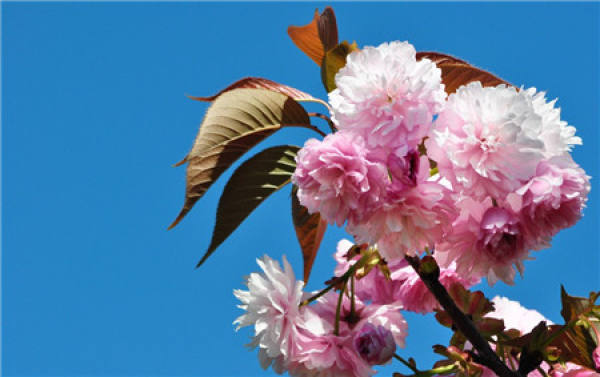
375 344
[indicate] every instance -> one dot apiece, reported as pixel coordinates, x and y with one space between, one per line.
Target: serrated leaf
489 326
573 306
260 83
457 72
474 304
235 122
317 37
333 61
252 182
310 229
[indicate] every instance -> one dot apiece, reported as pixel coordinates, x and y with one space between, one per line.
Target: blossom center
488 144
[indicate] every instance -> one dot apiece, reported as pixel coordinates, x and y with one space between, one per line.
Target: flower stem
409 365
352 306
321 292
325 118
339 279
338 309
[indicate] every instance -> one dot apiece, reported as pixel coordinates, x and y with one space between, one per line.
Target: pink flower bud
375 344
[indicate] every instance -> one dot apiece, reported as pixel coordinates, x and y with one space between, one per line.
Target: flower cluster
348 333
483 176
506 153
479 179
314 340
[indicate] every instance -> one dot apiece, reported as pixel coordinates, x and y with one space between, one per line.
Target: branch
429 272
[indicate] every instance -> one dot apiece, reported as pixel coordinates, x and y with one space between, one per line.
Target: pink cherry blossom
486 241
572 370
324 354
516 316
553 199
388 316
329 355
412 218
336 178
384 94
489 141
272 307
416 297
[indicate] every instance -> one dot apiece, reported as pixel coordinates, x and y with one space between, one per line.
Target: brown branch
429 272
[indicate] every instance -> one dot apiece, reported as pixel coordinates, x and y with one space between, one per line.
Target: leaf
310 229
573 306
260 83
333 61
474 304
456 72
317 37
576 345
256 179
236 121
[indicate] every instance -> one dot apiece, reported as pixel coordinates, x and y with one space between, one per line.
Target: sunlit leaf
333 61
317 37
310 229
236 121
456 72
573 306
260 83
474 304
250 184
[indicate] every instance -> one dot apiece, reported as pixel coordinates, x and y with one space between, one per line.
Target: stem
485 354
321 293
312 127
316 100
446 369
344 277
325 118
512 364
409 365
338 309
542 372
352 306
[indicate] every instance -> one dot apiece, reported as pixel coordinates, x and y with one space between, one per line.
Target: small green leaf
250 185
236 121
333 61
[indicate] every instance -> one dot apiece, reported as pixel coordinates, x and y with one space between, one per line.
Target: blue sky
94 113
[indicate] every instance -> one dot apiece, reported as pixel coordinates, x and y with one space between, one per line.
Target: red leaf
309 231
317 37
457 72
